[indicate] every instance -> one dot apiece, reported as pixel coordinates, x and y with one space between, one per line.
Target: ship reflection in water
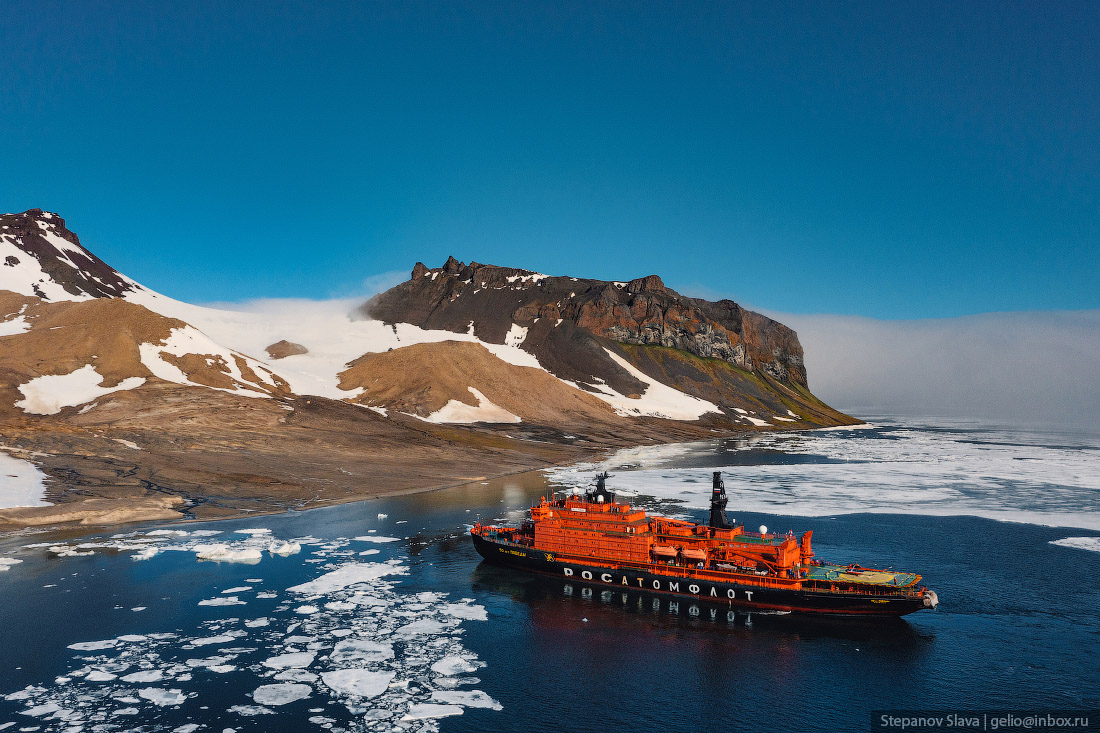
554 603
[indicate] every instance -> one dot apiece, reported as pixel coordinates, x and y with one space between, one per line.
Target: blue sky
879 159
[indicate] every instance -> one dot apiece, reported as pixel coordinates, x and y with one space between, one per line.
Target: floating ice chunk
1079 543
291 660
91 646
420 627
358 682
307 610
258 530
284 548
281 694
7 562
100 676
450 666
219 639
251 710
471 612
424 710
237 589
226 553
145 675
382 516
208 662
161 697
138 608
147 553
349 575
361 650
267 594
375 538
257 622
470 699
223 601
296 675
372 551
187 728
39 710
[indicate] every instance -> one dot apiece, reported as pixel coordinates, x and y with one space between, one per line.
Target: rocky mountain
121 394
616 339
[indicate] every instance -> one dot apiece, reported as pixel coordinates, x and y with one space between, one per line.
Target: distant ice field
1005 474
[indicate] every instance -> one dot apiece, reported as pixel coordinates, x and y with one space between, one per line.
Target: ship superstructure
592 537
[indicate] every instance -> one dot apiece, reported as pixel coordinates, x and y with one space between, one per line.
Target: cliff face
642 312
616 339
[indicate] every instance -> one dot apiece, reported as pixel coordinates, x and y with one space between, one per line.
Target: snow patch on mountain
187 340
459 412
22 273
659 400
46 395
326 328
15 325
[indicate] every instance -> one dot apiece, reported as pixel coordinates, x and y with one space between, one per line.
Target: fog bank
1031 367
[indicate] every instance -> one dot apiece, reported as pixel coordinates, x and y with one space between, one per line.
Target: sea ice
291 660
424 710
470 699
226 553
161 697
223 601
281 694
450 666
361 650
1079 543
358 682
348 575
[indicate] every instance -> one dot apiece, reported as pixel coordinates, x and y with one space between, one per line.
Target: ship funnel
718 500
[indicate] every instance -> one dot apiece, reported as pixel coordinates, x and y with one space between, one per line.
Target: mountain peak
39 256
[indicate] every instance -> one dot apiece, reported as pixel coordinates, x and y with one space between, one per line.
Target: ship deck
840 573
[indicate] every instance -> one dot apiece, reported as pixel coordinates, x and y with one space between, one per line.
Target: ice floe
281 693
381 654
1079 543
1010 476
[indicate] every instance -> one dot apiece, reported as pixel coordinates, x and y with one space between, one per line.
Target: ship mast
718 500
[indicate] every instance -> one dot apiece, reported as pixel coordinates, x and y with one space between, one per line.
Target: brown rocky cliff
644 311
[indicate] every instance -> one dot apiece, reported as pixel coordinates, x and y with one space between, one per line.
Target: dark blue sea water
444 642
